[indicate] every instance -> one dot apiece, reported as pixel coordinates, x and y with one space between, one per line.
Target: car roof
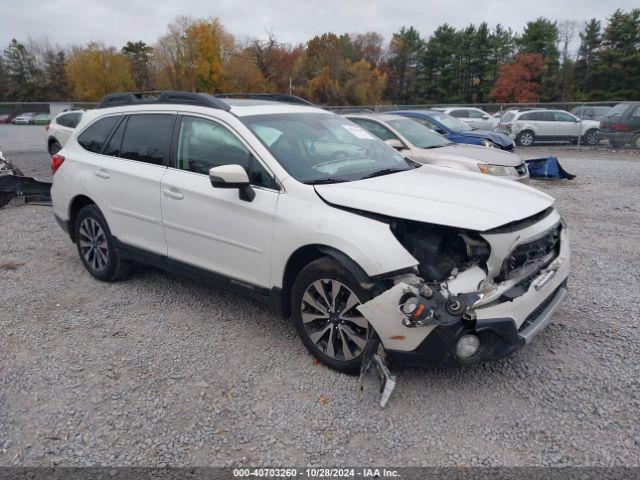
239 107
423 111
372 116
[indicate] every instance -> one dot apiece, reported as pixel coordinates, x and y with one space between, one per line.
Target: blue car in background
456 130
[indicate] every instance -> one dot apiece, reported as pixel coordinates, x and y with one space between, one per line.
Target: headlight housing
489 143
497 170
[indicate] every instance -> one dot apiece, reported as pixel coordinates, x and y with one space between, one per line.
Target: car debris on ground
13 184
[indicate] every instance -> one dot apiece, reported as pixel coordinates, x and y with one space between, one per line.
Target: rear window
507 117
93 138
70 120
146 138
618 110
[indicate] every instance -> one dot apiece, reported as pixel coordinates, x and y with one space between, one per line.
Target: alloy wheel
93 244
592 138
332 321
526 139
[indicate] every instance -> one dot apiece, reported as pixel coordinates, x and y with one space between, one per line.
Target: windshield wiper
323 181
384 171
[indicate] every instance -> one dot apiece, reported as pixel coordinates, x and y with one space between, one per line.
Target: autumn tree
519 81
365 84
96 70
541 36
190 55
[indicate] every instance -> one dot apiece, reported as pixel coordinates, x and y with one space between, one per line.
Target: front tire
324 300
96 246
525 138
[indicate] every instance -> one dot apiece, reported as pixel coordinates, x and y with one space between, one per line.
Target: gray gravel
160 370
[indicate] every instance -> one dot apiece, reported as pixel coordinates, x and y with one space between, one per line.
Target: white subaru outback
307 211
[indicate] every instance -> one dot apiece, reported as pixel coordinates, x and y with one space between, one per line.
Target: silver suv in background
474 117
530 126
421 144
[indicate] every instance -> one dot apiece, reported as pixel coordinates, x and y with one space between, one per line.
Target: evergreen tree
590 40
25 80
541 36
57 86
140 55
405 50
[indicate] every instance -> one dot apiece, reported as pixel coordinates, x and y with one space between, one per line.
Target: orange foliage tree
519 81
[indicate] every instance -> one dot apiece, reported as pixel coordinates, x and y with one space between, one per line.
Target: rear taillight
56 162
619 127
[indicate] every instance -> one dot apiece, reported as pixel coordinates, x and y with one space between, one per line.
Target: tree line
475 64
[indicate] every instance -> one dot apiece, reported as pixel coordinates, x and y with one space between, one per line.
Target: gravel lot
160 370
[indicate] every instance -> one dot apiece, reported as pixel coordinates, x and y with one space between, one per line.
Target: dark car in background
621 125
456 130
591 112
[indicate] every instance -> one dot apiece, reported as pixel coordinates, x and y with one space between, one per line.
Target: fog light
467 346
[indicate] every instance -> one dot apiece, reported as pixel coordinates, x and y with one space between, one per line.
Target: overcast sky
116 21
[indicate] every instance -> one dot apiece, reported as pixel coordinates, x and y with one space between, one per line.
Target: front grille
521 169
533 255
533 316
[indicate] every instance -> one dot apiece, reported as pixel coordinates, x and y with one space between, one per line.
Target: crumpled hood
460 152
440 196
499 138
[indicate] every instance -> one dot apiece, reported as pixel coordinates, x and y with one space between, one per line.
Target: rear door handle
173 193
102 173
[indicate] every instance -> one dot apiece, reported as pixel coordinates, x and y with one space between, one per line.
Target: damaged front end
474 296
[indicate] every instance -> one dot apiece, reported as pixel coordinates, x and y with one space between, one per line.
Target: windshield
324 148
451 123
418 134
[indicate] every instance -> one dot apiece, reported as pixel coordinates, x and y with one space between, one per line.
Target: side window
563 117
74 119
115 142
146 138
93 138
545 116
460 113
64 120
204 144
377 129
636 113
527 116
475 114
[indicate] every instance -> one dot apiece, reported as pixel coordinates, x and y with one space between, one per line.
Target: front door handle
173 193
102 173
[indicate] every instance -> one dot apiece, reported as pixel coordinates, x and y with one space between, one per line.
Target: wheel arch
301 258
77 203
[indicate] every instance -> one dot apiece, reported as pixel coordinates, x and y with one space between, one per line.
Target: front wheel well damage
303 257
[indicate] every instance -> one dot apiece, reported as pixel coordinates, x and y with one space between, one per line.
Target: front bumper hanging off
502 321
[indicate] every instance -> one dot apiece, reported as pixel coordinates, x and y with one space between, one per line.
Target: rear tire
525 138
323 301
96 246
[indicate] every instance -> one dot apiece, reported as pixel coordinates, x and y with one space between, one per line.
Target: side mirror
395 143
486 117
232 176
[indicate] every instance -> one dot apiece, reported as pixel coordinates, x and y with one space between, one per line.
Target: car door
213 228
566 125
128 174
544 123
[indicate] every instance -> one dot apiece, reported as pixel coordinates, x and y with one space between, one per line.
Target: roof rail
274 97
171 97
